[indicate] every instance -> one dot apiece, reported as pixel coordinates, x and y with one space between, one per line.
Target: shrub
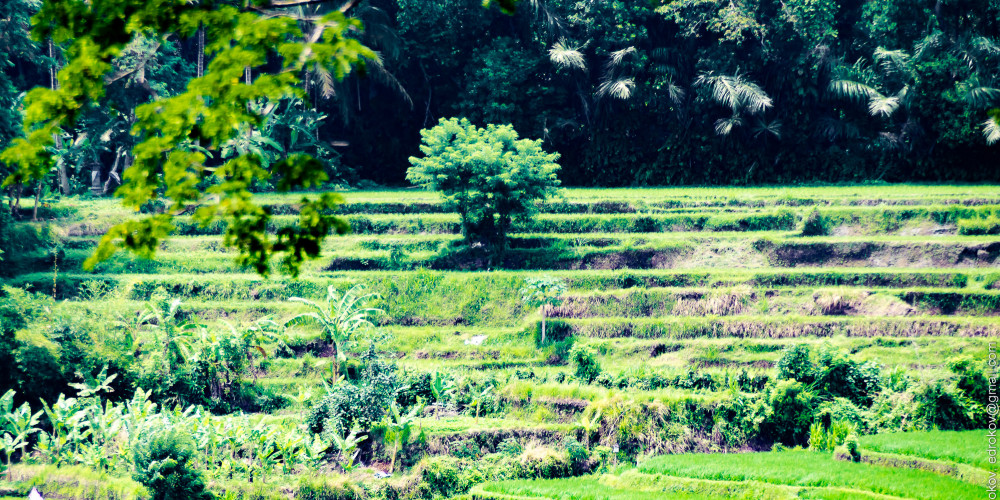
327 488
161 464
737 420
441 477
789 414
510 447
841 409
542 462
828 438
816 225
938 407
839 376
972 382
795 364
558 342
364 402
587 366
852 447
579 457
488 176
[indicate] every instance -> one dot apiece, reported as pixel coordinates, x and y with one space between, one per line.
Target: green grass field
678 292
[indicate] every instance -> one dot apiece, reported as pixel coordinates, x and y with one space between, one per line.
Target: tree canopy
211 110
488 175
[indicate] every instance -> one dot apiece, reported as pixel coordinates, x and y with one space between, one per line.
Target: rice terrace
499 250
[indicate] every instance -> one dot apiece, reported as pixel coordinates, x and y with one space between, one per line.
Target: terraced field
688 297
915 470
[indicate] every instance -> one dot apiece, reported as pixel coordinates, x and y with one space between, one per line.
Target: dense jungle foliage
628 93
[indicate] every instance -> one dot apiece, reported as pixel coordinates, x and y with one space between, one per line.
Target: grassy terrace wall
682 294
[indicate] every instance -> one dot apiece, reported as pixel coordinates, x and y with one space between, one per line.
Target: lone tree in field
544 292
488 175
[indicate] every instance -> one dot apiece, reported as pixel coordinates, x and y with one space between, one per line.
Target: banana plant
348 446
343 316
442 388
288 446
545 292
480 398
18 426
64 416
589 425
399 428
93 386
10 445
263 453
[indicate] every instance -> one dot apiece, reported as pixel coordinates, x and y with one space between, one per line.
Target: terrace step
784 327
451 285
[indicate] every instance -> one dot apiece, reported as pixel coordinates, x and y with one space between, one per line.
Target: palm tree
343 315
740 95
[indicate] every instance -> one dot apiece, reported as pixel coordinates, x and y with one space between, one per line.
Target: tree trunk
544 312
54 84
17 198
201 51
38 197
95 178
113 174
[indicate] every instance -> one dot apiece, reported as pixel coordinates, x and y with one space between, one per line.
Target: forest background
629 93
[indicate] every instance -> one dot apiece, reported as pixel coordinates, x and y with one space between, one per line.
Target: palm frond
883 106
772 127
833 129
991 129
615 58
378 71
929 42
675 93
982 97
892 62
621 88
565 56
735 92
725 126
850 89
986 45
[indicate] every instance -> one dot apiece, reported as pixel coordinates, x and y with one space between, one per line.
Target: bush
579 457
488 176
816 225
972 382
851 448
940 408
441 477
364 402
839 376
841 409
795 364
828 438
161 464
587 366
327 488
789 414
542 462
510 447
